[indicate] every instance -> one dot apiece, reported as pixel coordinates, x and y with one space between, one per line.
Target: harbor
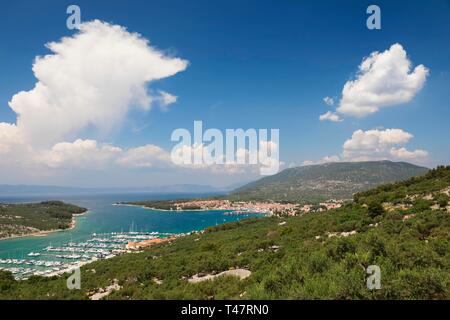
54 260
104 232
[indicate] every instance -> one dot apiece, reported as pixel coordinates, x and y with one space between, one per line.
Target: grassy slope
414 256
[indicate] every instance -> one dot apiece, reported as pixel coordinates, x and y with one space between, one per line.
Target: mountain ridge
337 180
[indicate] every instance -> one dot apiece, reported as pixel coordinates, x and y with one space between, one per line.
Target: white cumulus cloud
79 154
380 144
92 78
89 80
376 139
403 153
384 79
87 84
388 144
145 157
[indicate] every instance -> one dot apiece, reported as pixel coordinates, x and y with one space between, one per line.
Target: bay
104 217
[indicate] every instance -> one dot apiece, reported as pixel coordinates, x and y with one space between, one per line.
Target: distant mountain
338 180
37 189
8 190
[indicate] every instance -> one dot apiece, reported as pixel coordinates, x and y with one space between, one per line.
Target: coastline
184 210
130 248
43 233
166 210
268 208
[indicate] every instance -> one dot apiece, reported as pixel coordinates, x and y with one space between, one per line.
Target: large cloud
384 79
91 79
88 84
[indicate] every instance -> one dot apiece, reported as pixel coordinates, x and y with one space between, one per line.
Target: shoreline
166 210
44 233
185 210
132 247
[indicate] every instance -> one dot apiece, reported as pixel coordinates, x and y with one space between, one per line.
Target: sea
106 217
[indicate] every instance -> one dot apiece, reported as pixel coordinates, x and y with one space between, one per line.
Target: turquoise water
104 217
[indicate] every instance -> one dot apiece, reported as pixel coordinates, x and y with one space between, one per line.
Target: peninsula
27 219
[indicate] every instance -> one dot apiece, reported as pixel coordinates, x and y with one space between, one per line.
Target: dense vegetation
404 191
314 256
316 183
23 219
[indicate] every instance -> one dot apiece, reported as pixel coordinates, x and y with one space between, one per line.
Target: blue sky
252 64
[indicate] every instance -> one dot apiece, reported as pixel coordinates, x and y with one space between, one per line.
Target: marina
106 231
54 260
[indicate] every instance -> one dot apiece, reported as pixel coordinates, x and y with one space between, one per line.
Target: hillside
404 228
29 218
339 180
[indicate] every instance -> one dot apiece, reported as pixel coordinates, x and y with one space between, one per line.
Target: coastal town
244 207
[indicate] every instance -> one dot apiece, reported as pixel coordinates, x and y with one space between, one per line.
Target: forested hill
338 180
403 228
29 218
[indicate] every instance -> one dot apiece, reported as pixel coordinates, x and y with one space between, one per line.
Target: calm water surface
103 216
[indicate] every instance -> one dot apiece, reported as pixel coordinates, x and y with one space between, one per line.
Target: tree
375 209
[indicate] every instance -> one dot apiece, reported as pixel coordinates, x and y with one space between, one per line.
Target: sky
97 106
